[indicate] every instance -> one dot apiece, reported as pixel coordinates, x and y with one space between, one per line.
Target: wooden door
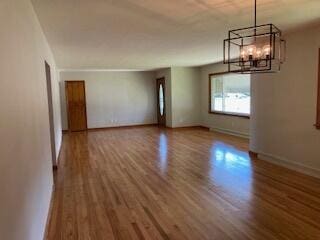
161 102
76 105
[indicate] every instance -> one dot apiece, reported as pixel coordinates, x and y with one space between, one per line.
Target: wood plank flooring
153 183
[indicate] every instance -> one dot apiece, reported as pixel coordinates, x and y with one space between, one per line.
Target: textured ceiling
146 34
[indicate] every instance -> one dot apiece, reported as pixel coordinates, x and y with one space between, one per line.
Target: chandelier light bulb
243 54
251 51
258 53
266 51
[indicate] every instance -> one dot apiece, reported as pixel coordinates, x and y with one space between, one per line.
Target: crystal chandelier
256 49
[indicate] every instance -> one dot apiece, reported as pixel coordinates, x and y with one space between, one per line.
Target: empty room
150 120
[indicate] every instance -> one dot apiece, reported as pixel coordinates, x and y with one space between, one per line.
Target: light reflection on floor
228 156
228 168
163 152
231 169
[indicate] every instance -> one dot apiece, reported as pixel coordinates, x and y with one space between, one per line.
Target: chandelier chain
255 13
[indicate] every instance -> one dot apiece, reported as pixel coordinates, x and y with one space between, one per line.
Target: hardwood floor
151 183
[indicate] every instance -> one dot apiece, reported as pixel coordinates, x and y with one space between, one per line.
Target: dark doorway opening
51 116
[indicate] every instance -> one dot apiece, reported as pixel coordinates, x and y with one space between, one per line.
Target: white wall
25 163
284 107
231 124
185 98
115 98
55 78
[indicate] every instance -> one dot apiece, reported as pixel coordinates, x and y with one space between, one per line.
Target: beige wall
115 98
110 96
25 162
284 107
182 96
187 94
185 98
229 124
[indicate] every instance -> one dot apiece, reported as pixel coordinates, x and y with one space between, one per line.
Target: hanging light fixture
256 49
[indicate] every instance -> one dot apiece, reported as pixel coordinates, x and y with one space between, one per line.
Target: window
229 94
161 100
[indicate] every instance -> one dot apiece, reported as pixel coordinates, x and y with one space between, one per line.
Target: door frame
158 103
67 103
51 114
317 125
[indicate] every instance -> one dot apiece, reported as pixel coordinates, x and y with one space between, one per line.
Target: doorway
161 102
76 105
51 117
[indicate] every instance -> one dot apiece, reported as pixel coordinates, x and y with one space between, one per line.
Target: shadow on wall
63 105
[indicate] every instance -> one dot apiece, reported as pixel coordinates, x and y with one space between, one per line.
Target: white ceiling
148 34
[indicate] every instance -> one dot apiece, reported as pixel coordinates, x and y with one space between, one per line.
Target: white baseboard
291 165
116 126
231 132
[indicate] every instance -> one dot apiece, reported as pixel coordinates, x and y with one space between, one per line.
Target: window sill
231 114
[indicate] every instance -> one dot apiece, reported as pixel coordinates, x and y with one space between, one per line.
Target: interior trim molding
55 167
46 231
187 127
314 172
142 125
317 125
231 132
66 131
253 154
123 126
229 114
106 70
